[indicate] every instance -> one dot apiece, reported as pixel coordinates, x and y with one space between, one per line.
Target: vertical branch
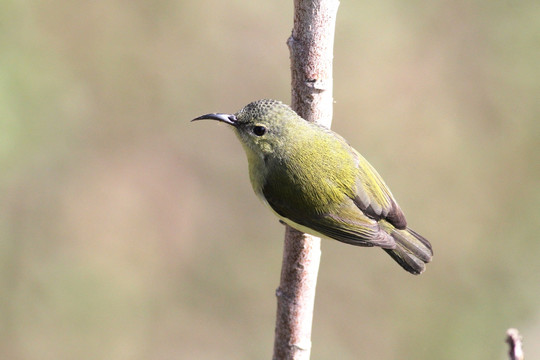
514 342
296 295
311 46
311 50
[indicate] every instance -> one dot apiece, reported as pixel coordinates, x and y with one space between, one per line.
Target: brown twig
516 346
311 47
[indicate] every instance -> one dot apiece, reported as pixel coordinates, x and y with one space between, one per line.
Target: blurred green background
127 232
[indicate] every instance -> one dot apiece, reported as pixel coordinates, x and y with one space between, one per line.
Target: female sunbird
314 181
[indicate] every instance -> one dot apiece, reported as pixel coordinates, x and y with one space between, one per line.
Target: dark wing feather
373 196
359 232
346 223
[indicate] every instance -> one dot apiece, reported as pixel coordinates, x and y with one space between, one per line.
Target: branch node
302 346
316 84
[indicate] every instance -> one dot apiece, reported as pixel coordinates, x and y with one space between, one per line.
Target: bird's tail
412 250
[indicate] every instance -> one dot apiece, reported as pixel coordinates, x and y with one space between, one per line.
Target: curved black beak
226 118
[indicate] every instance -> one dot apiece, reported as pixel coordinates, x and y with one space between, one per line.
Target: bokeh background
127 232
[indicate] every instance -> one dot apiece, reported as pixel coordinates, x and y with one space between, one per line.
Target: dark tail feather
412 250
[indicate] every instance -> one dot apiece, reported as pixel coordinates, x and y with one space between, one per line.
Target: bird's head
264 126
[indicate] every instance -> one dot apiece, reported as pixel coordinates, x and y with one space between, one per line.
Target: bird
314 181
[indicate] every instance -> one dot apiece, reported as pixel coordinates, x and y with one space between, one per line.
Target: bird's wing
374 198
349 225
345 223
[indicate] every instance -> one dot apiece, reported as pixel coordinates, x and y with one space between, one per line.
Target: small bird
314 181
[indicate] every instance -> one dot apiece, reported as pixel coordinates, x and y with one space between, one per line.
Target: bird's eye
259 130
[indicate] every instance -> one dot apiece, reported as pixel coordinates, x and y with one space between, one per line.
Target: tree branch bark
311 51
514 342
